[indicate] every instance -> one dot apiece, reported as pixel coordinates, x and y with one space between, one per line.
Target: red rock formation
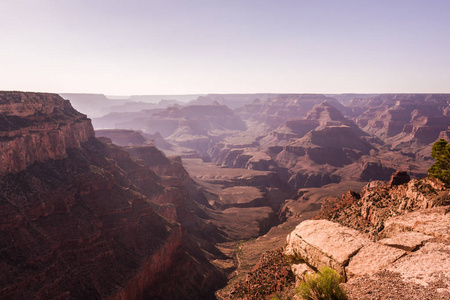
80 221
36 127
367 211
406 117
313 159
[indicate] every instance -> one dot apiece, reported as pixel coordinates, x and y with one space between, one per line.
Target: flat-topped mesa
37 127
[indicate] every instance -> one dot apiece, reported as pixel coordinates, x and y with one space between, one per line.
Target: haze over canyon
199 196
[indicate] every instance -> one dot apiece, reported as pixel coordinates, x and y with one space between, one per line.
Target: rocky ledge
392 239
415 249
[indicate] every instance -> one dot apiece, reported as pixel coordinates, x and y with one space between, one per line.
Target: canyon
179 200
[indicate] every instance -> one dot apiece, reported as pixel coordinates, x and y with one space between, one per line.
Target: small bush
324 285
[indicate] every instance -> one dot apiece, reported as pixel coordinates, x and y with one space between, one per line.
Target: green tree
441 168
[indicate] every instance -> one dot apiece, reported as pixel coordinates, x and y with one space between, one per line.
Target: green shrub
324 285
441 168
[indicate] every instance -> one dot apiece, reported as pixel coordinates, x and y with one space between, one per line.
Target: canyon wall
81 219
37 127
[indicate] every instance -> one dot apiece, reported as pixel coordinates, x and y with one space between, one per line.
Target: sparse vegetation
441 168
324 285
239 251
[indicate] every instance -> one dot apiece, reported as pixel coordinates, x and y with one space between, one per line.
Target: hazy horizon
225 47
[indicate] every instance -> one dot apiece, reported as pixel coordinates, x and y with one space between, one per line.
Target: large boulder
407 239
321 242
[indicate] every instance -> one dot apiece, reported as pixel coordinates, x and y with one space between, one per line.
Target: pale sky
124 47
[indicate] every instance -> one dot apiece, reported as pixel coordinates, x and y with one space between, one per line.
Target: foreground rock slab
429 264
321 242
372 258
408 241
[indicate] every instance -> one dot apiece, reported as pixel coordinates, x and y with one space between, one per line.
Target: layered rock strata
36 127
80 219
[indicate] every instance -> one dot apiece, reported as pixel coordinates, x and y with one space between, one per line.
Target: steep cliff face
36 127
80 219
77 228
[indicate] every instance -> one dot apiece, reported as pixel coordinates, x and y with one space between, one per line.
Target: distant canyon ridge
154 197
309 140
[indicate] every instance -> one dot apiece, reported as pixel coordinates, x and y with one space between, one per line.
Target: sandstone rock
434 222
429 264
372 258
37 127
407 241
299 271
321 242
380 201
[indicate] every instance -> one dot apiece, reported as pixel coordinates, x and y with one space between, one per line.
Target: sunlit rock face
36 127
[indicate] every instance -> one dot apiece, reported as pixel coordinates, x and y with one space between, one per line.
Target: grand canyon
221 196
229 150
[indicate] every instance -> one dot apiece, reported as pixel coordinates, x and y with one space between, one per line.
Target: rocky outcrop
323 242
407 247
37 127
368 210
430 222
408 240
417 250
